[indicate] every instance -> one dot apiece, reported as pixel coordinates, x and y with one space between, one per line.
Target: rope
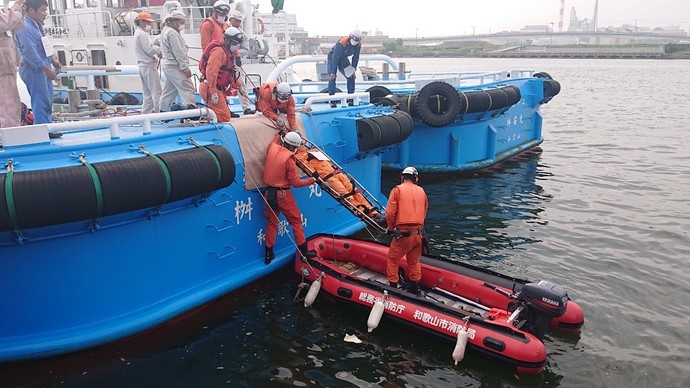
253 182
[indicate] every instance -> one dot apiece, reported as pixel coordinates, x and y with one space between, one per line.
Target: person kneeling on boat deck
338 60
148 55
405 215
175 64
218 73
273 98
280 173
340 183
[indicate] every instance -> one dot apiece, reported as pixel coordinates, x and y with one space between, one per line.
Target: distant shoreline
563 56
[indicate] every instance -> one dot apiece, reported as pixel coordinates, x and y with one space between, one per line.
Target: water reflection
487 215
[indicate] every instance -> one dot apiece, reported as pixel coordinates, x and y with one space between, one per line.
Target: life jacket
227 73
412 208
274 170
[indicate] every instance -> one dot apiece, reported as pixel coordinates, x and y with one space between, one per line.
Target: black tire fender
435 88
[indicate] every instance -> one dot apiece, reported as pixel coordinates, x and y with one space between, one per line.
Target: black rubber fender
67 194
551 88
377 92
385 130
131 184
325 90
192 171
478 101
390 100
435 88
54 196
542 75
514 95
407 103
499 98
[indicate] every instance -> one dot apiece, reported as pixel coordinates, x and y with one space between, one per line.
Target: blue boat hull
475 140
84 283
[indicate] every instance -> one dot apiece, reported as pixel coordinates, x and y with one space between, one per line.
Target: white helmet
410 171
221 6
293 139
235 14
176 15
283 91
356 34
234 35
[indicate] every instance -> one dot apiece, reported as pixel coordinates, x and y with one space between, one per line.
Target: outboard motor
544 301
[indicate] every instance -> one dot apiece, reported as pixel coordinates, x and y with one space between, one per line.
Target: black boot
306 253
415 288
269 255
393 284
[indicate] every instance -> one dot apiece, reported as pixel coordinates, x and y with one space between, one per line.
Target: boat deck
363 273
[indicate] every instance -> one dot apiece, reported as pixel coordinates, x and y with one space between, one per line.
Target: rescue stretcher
373 214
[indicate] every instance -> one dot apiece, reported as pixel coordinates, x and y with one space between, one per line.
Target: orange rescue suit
337 181
217 74
406 212
280 172
269 106
211 30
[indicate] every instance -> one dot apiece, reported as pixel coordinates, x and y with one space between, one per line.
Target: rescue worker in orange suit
218 73
280 173
405 215
213 27
339 182
274 98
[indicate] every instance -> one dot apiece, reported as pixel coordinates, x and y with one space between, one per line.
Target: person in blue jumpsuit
338 60
36 65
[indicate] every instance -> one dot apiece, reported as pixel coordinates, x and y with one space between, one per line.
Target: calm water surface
602 209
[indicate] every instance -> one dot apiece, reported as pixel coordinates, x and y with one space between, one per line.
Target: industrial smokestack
560 18
596 16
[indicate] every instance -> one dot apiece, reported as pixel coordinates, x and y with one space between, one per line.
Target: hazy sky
450 17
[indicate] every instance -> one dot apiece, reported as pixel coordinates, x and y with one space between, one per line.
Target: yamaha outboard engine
544 301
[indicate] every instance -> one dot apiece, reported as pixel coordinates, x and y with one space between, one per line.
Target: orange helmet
144 16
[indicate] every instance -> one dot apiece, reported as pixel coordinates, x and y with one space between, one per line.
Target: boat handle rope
166 172
96 184
9 196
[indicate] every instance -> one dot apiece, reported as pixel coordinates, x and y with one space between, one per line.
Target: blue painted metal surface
73 286
476 140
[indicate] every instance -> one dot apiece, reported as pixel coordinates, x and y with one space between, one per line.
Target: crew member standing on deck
405 215
274 98
213 27
241 50
338 60
11 20
280 173
38 65
175 64
148 56
218 73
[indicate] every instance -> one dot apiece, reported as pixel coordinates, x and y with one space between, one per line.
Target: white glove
214 98
280 122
